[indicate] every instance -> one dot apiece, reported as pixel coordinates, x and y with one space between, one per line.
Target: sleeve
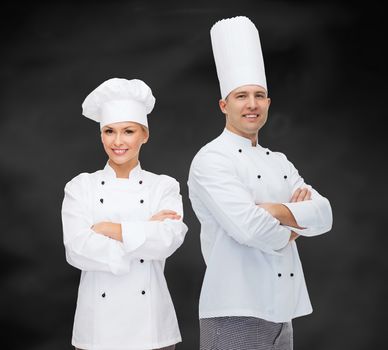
85 249
157 240
212 180
314 215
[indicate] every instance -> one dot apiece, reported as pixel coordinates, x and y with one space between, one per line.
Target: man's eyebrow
245 92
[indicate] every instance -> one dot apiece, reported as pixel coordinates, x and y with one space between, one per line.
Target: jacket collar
135 173
235 139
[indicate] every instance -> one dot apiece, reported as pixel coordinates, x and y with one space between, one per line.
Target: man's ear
222 104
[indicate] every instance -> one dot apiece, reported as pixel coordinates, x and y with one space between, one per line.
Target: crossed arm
283 214
93 250
114 231
215 184
277 210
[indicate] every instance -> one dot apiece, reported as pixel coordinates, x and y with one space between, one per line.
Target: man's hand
300 195
165 214
293 236
272 208
109 229
283 214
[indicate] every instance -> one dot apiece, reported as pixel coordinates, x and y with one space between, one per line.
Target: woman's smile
119 151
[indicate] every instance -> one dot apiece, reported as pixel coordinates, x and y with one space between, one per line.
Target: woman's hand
109 229
165 214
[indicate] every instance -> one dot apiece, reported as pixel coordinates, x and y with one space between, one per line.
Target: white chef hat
118 100
237 54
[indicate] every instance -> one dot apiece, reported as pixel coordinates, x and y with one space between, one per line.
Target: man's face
246 110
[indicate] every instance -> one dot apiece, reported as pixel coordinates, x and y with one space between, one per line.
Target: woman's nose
117 140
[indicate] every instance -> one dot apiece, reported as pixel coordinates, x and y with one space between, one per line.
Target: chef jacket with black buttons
123 299
251 267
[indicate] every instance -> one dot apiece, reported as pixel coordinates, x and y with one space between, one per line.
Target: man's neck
252 137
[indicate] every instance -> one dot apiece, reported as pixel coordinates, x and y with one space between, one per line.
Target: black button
141 201
102 182
143 292
102 200
291 274
240 150
267 152
279 275
285 176
258 176
140 182
141 260
103 295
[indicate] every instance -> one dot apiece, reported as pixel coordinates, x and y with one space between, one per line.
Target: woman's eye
240 96
108 131
129 132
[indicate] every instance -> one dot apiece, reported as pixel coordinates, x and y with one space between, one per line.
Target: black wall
324 64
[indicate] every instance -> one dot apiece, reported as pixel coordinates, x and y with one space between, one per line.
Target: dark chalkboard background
324 66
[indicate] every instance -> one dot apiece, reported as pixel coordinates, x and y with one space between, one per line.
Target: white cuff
133 235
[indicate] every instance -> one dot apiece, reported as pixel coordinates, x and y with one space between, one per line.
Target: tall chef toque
237 54
119 100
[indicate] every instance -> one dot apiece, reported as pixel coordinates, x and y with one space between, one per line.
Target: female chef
119 225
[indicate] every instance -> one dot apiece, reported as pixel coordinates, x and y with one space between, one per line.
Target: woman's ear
146 134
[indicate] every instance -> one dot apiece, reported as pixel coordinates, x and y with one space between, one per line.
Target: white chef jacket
123 299
251 267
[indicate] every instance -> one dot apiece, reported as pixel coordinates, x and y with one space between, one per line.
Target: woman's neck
123 170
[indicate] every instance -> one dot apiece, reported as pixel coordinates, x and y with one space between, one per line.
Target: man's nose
251 102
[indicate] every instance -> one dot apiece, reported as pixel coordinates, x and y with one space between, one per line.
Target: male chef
252 205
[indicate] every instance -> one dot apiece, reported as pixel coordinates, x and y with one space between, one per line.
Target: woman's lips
119 151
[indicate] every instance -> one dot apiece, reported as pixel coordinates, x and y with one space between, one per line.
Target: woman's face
122 141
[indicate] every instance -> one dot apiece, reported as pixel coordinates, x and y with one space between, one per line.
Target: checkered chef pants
244 333
171 347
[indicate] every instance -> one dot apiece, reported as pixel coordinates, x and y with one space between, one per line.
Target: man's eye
240 96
